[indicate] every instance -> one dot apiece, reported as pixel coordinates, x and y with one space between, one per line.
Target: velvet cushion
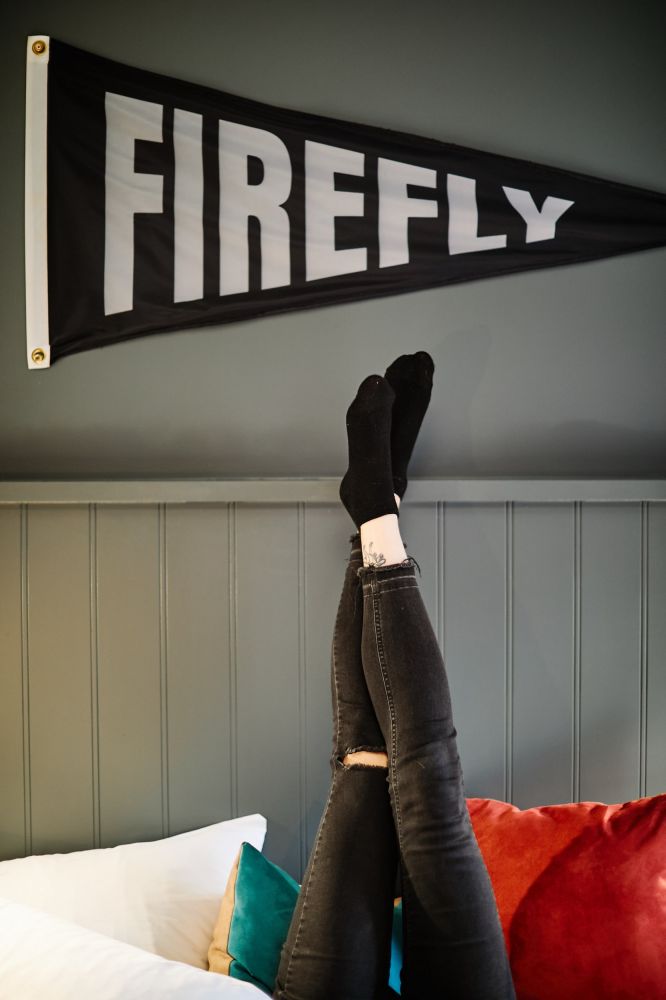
254 919
581 891
580 888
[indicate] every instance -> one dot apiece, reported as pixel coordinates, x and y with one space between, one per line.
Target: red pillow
581 891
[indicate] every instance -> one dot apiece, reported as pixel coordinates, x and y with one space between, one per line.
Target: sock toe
375 392
411 368
425 364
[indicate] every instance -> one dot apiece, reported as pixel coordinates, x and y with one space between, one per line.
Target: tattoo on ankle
373 558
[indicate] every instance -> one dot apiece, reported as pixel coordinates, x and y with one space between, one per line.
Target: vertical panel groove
439 572
302 689
164 693
25 684
508 651
643 652
576 671
94 672
233 658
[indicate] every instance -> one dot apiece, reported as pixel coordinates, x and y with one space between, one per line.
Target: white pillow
161 895
43 957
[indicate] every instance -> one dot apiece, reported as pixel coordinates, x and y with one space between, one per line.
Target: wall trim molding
325 490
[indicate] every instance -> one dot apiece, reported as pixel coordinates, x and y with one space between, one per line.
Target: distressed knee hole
370 758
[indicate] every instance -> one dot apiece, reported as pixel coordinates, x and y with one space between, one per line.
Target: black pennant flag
153 204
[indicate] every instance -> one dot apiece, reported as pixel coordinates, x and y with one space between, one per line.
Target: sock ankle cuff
374 510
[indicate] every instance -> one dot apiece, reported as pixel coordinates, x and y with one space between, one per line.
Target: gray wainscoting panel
542 587
59 636
610 690
14 757
654 648
165 665
475 643
270 674
201 733
133 797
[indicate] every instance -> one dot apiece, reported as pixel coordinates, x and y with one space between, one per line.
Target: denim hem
357 749
379 573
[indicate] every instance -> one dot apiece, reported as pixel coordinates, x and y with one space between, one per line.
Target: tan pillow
219 958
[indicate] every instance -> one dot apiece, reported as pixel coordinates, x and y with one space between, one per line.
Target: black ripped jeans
390 692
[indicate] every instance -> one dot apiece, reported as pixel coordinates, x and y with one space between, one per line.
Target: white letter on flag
127 192
239 200
540 224
187 207
396 207
464 218
323 203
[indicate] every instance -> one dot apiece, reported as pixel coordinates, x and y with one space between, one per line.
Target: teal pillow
254 919
396 948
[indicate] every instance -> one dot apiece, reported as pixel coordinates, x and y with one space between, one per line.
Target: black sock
366 489
411 378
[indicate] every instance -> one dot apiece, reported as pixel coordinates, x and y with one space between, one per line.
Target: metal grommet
38 355
39 47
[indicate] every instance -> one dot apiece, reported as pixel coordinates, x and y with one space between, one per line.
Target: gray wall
166 665
557 372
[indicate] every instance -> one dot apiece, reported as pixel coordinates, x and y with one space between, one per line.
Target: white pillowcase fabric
43 957
162 896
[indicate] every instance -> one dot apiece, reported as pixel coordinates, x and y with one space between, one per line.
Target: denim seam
377 617
334 658
392 769
307 887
